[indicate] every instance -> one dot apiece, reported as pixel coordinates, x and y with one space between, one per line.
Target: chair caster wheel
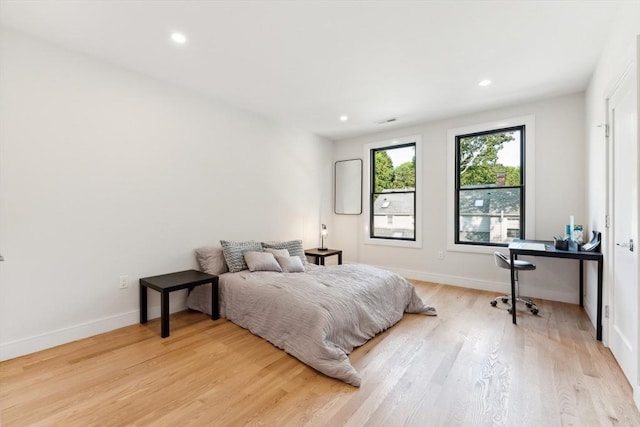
510 311
534 310
505 300
529 305
494 303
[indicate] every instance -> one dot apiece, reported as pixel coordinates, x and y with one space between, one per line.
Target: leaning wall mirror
348 187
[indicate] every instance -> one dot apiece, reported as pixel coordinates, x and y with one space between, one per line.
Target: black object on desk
167 283
520 247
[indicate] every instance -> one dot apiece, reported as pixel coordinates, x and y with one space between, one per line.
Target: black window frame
373 193
522 186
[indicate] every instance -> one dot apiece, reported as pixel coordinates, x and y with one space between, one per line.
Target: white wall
559 191
104 172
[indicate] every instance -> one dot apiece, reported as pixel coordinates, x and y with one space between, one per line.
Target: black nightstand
319 255
168 283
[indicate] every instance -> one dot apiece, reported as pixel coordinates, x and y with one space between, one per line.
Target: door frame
632 65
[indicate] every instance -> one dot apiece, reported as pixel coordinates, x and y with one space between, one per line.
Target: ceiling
306 63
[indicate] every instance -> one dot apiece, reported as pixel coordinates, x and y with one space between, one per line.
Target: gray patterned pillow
233 253
293 246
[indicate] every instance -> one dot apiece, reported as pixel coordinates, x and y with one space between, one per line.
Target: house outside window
490 187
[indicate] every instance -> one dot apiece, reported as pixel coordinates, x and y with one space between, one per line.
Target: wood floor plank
469 366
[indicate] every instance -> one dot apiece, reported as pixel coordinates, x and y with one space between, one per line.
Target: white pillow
261 261
211 260
293 246
290 264
277 252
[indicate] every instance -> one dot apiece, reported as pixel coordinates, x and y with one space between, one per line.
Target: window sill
475 249
391 242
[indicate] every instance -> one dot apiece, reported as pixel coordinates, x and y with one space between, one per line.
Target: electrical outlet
440 255
124 282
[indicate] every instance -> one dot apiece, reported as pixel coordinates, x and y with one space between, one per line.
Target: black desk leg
599 302
143 304
581 284
513 288
340 258
164 316
321 260
215 307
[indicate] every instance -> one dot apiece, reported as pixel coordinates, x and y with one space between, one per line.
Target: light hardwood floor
467 367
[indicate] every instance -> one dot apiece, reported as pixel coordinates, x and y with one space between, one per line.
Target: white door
624 319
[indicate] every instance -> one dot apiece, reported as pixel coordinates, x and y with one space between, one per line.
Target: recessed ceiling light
344 118
485 82
179 38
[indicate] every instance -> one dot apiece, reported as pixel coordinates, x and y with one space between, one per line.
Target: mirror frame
350 191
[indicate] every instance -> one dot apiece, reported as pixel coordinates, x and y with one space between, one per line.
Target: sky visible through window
508 156
401 155
510 153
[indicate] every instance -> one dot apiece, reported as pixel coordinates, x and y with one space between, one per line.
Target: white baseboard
23 346
483 285
636 395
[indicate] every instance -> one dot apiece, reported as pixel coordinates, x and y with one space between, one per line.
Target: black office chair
503 262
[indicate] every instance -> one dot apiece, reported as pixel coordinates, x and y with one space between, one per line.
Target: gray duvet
318 316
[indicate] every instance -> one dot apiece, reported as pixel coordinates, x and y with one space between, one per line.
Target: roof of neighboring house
394 204
490 201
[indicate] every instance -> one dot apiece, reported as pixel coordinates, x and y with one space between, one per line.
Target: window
393 192
392 212
513 233
490 186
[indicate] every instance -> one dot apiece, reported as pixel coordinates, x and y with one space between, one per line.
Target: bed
318 316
